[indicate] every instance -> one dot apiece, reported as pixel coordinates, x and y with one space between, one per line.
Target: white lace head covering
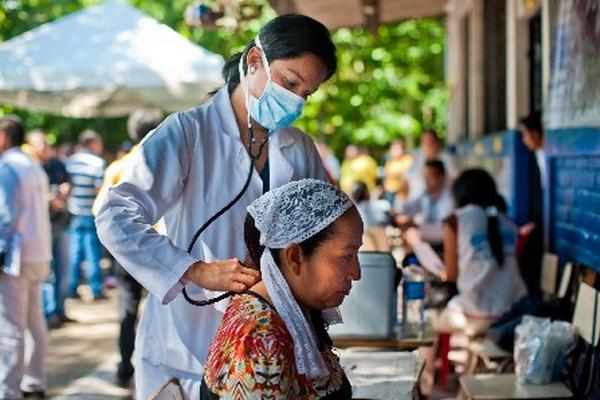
288 215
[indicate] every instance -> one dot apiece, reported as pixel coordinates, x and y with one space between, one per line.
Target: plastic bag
542 348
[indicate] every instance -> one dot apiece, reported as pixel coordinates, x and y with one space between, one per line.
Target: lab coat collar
278 140
222 103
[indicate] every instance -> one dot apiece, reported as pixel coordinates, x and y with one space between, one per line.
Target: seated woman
272 342
479 254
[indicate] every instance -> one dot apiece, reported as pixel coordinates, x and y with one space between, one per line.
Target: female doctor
188 169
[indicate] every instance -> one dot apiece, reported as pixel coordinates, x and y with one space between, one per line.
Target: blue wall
571 194
572 199
505 157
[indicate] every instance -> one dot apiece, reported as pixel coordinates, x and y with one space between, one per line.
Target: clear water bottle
413 300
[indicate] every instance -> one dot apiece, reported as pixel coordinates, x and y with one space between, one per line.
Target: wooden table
507 386
382 374
410 339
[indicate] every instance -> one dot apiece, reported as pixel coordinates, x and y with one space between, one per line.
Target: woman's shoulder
250 323
251 343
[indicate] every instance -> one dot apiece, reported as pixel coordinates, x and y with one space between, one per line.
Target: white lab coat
190 167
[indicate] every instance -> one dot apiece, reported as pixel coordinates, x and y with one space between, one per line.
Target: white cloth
186 170
290 215
23 336
540 157
32 219
485 289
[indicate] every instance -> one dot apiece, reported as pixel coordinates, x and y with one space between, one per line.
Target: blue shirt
8 189
86 171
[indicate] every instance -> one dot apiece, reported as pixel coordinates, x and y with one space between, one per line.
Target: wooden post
455 72
517 65
476 88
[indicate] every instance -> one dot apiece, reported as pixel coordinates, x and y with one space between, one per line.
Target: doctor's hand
224 275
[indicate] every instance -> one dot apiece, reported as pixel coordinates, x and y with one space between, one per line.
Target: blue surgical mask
277 107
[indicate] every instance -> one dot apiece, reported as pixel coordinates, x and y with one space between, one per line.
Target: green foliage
387 86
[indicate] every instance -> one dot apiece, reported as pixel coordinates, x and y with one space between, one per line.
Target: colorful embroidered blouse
252 357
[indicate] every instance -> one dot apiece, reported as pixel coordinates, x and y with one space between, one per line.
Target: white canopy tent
106 60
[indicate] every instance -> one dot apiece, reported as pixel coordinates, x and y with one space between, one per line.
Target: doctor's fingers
246 279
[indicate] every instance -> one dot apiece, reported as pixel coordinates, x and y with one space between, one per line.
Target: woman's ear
292 258
253 58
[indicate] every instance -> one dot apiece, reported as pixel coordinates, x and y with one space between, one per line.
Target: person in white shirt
431 149
479 254
187 170
428 211
25 254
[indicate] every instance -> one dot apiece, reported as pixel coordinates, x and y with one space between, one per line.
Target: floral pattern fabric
252 357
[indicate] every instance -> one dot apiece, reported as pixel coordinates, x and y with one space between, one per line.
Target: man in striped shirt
86 170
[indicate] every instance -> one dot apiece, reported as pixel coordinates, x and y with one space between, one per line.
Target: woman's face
301 75
323 280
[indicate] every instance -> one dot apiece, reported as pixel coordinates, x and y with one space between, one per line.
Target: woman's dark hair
309 246
359 192
288 36
533 122
477 187
255 250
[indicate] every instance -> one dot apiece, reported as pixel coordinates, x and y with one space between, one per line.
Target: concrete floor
82 356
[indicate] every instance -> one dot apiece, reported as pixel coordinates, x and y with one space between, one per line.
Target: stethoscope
212 219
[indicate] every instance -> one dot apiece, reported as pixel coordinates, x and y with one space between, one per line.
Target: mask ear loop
244 77
263 57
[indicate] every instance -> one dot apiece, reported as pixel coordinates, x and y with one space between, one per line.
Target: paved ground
82 356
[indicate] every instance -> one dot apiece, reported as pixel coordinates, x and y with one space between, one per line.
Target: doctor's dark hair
477 187
284 37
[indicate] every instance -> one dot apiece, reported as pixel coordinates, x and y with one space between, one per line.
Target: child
479 254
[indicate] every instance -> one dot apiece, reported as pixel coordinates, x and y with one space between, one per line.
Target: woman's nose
355 271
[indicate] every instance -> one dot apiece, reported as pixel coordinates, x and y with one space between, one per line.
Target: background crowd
63 185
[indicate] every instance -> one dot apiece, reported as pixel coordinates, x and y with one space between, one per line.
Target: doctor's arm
152 183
